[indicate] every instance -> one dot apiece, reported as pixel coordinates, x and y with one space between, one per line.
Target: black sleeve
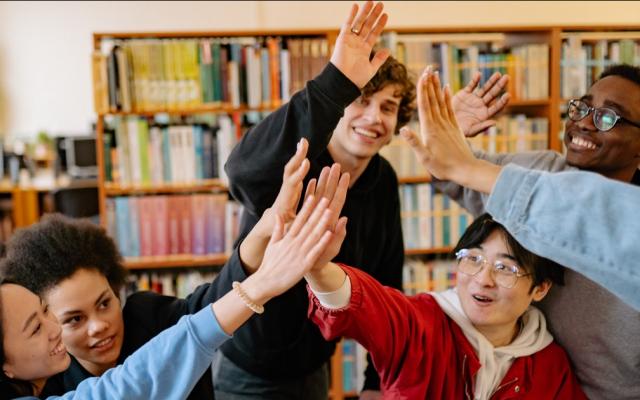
393 259
371 377
256 163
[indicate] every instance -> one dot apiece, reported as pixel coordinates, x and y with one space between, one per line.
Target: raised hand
442 148
474 108
289 256
355 41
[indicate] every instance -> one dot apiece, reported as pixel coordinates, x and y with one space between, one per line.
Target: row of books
6 219
582 62
169 283
513 133
430 219
420 275
196 224
149 74
148 153
528 64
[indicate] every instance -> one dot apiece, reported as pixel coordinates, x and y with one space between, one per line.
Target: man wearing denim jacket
597 328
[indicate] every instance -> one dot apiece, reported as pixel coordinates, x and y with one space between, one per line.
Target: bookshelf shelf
175 261
414 179
528 103
432 250
204 109
208 185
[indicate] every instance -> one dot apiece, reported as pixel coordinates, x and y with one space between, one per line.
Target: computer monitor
81 156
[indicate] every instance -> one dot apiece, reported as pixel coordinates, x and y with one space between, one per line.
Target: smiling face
33 349
91 319
367 125
615 153
492 309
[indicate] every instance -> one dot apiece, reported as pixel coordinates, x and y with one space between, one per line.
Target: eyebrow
609 103
29 321
500 255
71 312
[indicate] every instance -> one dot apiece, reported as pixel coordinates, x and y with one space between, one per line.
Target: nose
485 276
372 113
586 123
97 326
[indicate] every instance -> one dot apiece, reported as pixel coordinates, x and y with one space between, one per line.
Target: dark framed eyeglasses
504 273
604 119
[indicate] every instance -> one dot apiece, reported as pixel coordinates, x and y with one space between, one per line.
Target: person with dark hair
77 269
602 135
169 365
481 340
348 113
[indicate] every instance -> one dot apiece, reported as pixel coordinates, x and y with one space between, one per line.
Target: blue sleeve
578 219
167 367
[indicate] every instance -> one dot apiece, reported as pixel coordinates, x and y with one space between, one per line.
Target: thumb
278 230
418 148
480 127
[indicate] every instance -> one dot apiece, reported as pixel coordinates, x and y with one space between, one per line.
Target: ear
540 291
6 372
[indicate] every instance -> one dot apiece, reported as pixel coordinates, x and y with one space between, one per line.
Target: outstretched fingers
361 17
473 83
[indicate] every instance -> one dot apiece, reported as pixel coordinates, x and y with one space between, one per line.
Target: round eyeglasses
505 274
604 119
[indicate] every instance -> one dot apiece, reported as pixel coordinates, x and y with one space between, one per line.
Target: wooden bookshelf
208 185
548 107
175 261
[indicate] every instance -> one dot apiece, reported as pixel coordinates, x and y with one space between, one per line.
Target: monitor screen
84 151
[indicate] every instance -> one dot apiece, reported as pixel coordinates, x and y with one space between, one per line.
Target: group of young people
320 257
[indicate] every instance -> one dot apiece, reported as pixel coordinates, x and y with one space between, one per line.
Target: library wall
44 46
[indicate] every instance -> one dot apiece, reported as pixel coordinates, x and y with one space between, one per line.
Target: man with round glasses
598 330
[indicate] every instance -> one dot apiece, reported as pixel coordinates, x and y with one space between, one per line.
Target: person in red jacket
480 340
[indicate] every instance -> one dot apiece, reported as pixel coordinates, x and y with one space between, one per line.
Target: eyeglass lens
603 118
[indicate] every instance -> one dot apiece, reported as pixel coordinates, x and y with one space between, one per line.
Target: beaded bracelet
256 308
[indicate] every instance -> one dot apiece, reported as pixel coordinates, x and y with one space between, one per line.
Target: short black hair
42 255
626 71
541 269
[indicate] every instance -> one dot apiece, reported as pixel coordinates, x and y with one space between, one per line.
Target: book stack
430 219
160 226
148 75
457 61
584 60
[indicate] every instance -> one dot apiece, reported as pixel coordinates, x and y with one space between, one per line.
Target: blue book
122 225
196 131
134 227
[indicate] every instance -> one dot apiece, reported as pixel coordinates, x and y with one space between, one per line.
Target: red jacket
420 353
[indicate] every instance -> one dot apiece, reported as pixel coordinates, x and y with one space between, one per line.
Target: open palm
475 108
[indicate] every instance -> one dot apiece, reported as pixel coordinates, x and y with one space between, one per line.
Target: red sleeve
385 321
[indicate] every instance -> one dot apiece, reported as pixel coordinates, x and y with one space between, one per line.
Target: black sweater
283 342
145 315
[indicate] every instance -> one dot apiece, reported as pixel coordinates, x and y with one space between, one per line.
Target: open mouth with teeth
58 349
482 299
582 144
366 133
103 343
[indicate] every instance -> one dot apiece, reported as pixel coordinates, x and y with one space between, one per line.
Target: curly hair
541 269
42 255
393 72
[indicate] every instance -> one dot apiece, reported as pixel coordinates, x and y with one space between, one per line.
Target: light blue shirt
167 367
575 218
